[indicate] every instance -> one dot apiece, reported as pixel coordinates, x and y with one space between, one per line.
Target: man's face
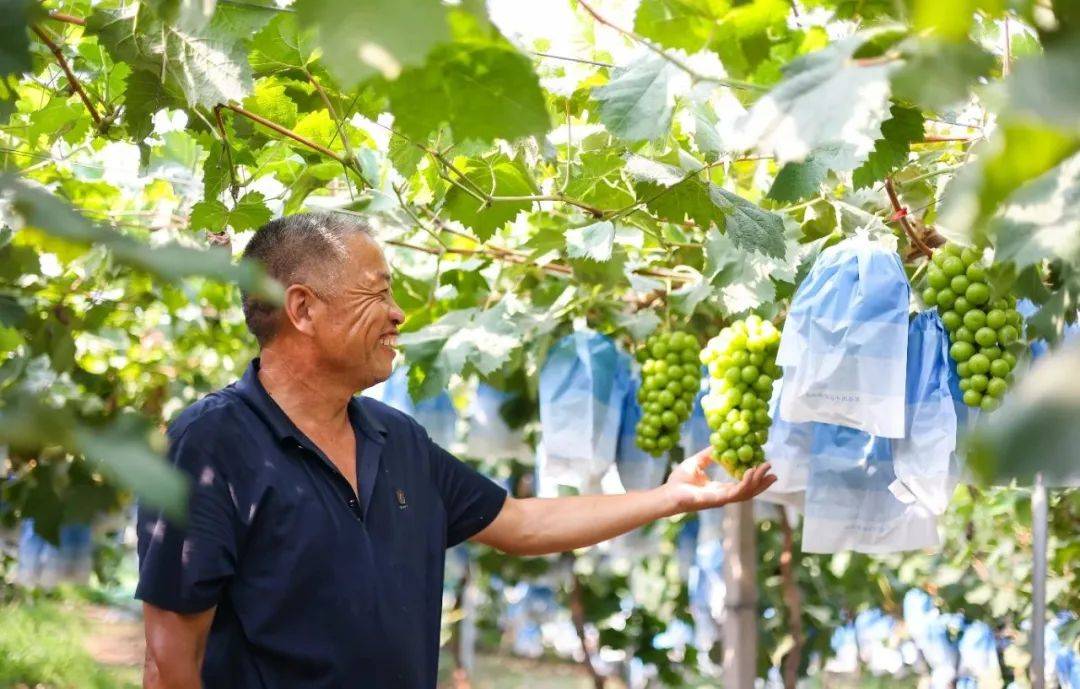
356 325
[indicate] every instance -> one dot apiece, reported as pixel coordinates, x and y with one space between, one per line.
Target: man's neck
314 398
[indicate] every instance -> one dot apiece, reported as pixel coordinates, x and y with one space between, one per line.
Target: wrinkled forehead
366 263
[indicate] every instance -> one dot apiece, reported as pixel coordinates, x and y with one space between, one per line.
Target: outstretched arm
538 526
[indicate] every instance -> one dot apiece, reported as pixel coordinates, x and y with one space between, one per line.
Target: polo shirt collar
251 389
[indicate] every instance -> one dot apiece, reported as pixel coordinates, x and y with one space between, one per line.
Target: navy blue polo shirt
313 587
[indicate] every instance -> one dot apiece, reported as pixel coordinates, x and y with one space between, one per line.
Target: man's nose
397 316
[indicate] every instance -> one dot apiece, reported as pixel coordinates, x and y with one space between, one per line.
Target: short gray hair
308 248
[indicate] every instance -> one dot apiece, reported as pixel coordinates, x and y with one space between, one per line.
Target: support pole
741 600
1039 525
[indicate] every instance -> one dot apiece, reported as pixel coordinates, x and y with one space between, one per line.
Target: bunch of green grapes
670 381
981 325
742 368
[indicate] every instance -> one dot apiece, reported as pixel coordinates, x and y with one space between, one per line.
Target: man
314 549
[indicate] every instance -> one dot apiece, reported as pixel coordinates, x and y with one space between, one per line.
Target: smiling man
318 520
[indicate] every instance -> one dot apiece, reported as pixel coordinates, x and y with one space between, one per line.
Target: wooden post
1039 524
741 600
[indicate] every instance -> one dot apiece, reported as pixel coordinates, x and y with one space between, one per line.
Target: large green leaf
748 225
1042 219
638 102
1035 430
670 193
119 447
383 36
593 241
683 24
1047 87
207 63
282 46
498 176
800 180
41 210
144 95
938 74
14 36
482 92
892 149
826 100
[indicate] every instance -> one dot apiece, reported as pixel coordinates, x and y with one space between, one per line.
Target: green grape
986 337
669 364
750 345
979 363
974 319
980 324
952 320
952 266
977 293
961 351
995 319
997 387
946 298
936 279
999 368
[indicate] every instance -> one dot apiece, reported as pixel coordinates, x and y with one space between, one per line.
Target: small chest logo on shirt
400 495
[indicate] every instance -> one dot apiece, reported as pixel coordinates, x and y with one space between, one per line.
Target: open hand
691 489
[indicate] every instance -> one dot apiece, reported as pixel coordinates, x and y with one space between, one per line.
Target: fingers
702 459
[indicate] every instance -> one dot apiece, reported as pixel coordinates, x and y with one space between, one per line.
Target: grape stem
902 218
72 80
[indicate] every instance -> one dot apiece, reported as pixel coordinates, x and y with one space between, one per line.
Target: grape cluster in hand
669 383
981 327
742 368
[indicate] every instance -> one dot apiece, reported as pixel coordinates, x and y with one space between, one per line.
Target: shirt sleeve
472 501
185 568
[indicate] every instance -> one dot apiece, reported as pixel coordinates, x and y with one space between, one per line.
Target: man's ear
298 306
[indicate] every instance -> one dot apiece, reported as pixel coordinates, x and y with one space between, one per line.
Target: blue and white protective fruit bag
436 414
925 459
583 386
844 344
489 436
849 501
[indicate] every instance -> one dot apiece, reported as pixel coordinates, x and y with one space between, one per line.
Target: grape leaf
598 180
282 46
1047 87
670 193
42 210
206 63
14 37
826 100
683 24
1035 429
638 102
359 39
250 212
749 226
800 180
892 149
1042 219
592 241
498 176
144 95
270 101
937 74
483 92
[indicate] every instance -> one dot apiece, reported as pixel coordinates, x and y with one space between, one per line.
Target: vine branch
901 215
694 74
284 131
76 85
67 18
234 185
338 123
